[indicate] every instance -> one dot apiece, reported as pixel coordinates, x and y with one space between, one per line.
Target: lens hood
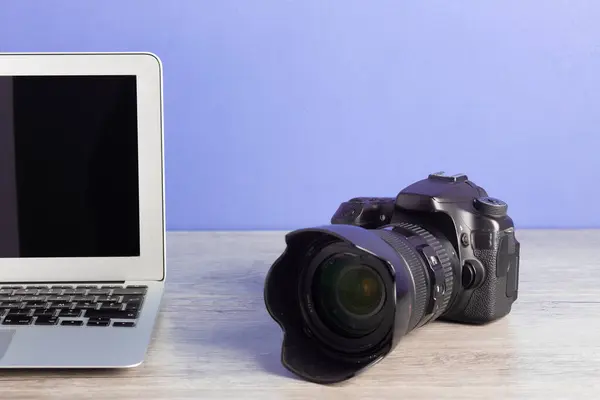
302 353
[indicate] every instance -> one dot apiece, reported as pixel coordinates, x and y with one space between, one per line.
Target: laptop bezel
151 264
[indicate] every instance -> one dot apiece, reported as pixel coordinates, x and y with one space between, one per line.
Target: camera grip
489 300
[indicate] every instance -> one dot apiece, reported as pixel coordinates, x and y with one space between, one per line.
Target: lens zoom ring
444 261
417 269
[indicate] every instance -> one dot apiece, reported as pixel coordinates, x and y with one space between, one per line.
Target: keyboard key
33 298
124 324
132 299
99 292
87 287
99 319
111 306
86 305
37 287
98 322
132 291
71 322
133 306
111 314
74 292
46 320
6 304
21 311
112 287
13 299
37 307
35 304
109 299
11 319
12 287
59 298
61 305
87 299
62 287
26 292
6 292
69 313
137 287
46 292
44 313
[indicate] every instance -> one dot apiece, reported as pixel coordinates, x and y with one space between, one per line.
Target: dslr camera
345 294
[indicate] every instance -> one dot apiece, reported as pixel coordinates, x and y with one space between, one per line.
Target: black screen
68 167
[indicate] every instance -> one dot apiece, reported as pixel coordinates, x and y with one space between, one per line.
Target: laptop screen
68 167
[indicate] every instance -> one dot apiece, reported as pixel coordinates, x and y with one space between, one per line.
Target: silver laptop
82 228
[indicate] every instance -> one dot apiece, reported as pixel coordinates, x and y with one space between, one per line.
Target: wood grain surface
215 340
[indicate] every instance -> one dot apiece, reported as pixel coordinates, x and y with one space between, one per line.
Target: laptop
82 226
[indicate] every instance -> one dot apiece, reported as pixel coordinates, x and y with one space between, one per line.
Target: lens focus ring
444 259
415 265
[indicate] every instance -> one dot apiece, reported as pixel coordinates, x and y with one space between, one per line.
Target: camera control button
473 274
468 275
490 206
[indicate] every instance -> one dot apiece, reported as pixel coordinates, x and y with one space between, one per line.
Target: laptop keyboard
84 305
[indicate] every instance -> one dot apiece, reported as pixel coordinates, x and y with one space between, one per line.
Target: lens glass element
359 291
348 295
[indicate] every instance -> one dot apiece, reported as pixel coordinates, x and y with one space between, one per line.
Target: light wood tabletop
215 340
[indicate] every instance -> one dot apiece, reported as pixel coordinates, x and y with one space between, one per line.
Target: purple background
277 111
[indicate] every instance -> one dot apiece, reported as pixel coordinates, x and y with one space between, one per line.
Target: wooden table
214 339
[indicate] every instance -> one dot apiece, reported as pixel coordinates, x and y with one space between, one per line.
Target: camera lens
348 295
345 295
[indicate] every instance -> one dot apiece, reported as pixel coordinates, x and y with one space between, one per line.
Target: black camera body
478 227
346 293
